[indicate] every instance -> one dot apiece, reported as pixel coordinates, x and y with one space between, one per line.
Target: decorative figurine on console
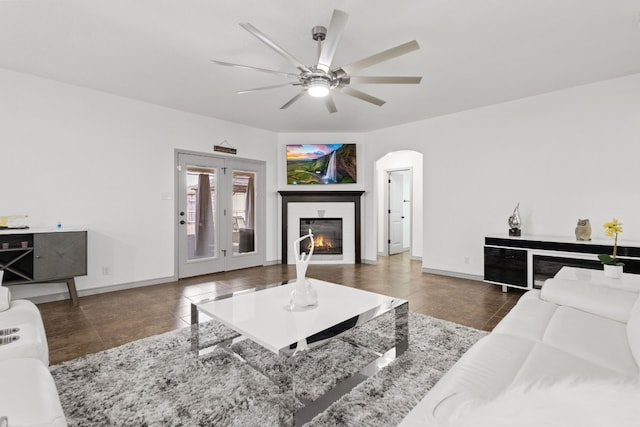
583 230
515 222
303 296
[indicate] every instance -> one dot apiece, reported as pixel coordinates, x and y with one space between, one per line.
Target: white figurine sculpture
303 295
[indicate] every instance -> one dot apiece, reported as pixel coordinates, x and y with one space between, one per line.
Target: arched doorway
399 207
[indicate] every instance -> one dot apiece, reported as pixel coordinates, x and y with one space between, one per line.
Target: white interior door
220 214
396 209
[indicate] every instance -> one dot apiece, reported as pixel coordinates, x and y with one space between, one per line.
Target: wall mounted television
321 164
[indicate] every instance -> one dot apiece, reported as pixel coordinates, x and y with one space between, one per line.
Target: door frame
260 202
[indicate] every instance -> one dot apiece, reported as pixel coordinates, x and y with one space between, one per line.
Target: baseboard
61 296
272 262
453 274
416 258
64 295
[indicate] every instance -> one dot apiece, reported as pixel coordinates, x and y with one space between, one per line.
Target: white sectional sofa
28 394
581 327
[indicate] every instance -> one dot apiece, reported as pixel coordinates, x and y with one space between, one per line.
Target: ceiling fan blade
249 67
292 100
347 90
381 57
273 45
336 26
331 106
257 89
405 80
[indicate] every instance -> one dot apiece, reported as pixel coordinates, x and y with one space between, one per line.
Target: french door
220 213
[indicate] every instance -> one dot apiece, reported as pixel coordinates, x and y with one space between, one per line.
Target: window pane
243 212
201 227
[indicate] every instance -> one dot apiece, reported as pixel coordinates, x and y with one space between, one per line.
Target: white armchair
28 394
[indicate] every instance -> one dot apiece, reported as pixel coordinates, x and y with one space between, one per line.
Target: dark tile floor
111 319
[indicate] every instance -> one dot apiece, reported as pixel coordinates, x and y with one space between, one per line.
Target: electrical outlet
467 260
106 270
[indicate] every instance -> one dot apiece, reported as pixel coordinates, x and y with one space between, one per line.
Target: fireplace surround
320 197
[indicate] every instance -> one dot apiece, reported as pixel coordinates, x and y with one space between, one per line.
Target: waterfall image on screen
321 164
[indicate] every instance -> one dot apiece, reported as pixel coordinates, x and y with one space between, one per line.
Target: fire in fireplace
327 235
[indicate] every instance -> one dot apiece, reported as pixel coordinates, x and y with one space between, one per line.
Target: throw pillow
633 331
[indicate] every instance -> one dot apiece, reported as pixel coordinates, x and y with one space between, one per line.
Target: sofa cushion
597 339
28 396
633 332
603 301
565 403
529 317
484 371
547 364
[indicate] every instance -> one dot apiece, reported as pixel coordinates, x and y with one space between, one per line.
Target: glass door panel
244 202
201 224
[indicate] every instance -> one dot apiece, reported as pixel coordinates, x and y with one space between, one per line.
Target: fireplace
322 205
327 235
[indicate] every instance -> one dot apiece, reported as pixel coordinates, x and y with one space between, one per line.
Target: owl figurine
583 230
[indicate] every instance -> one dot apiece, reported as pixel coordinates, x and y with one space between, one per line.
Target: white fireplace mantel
343 210
329 197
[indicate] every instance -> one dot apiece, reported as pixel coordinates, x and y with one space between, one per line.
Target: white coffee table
263 316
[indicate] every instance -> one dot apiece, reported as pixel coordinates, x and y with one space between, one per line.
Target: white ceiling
473 52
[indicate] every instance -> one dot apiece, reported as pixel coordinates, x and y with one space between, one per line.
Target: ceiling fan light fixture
320 79
318 87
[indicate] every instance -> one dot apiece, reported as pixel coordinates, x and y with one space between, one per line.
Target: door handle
182 221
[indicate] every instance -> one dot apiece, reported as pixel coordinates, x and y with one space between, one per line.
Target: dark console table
41 256
525 262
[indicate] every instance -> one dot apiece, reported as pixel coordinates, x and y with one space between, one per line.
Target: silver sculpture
515 222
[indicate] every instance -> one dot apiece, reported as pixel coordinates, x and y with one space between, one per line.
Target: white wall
565 155
411 160
103 162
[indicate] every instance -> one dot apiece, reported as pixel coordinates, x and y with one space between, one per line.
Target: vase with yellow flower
613 267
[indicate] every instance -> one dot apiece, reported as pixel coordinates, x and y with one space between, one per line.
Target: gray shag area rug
158 381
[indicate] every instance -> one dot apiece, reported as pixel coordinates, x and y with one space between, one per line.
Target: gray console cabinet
41 257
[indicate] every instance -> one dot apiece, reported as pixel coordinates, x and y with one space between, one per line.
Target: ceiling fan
320 79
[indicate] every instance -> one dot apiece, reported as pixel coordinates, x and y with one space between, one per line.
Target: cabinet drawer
508 266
